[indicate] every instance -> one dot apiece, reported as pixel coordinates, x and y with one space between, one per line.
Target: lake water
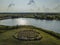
45 24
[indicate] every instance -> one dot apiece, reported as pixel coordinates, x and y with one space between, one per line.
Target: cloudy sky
23 6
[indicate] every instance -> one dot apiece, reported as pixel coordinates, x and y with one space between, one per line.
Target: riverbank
42 16
6 37
6 28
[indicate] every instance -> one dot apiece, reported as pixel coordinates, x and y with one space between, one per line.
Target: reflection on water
45 24
21 21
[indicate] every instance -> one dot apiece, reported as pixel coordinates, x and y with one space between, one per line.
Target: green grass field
6 38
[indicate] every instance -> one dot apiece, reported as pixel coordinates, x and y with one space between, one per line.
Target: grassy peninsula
6 36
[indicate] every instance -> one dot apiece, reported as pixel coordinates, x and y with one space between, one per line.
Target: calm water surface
45 24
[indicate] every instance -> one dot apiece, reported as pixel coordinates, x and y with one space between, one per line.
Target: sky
23 6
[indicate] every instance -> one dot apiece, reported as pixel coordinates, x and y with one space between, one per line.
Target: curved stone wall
27 35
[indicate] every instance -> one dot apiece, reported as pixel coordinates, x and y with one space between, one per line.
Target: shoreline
41 16
6 28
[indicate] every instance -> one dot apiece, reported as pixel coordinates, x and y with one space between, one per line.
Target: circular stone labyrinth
28 35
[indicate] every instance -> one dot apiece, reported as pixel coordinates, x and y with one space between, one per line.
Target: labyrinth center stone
28 35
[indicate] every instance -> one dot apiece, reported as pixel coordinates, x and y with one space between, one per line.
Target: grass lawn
6 38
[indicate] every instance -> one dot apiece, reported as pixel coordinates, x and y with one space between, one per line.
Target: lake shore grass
6 37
